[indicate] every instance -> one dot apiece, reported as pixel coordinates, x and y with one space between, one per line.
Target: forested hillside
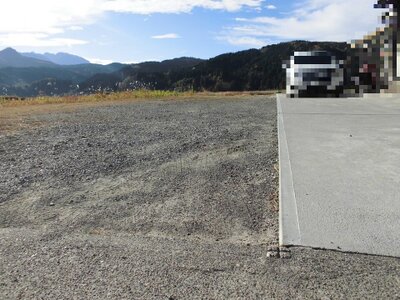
241 71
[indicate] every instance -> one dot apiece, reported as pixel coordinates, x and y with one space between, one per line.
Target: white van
314 73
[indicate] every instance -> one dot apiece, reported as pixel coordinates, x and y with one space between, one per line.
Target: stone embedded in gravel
284 249
272 254
285 255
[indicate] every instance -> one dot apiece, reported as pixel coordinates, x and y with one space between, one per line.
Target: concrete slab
340 173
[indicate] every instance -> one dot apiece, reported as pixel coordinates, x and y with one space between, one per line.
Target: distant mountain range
31 74
60 58
11 58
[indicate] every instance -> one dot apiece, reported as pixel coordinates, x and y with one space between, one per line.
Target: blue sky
141 30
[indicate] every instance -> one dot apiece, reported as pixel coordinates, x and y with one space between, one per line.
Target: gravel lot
159 200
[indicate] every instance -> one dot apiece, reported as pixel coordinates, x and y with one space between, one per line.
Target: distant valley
32 74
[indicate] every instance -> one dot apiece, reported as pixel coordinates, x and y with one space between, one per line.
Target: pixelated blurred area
314 74
370 65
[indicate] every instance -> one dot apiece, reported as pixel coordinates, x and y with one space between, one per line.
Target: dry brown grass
100 97
17 114
118 96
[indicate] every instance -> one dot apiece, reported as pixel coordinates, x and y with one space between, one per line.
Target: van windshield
314 60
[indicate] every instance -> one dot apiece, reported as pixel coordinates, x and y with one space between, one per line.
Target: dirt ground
158 200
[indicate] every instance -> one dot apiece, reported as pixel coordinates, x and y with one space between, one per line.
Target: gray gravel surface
160 200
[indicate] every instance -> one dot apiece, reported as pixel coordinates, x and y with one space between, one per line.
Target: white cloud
100 61
37 40
271 6
244 41
52 18
75 28
41 23
46 16
166 36
322 20
176 6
